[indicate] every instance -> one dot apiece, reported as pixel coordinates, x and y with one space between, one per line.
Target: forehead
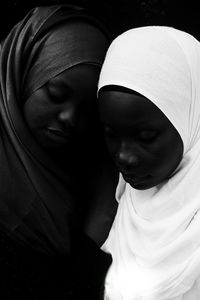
81 77
126 109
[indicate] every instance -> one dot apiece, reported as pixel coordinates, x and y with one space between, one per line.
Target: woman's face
143 143
63 109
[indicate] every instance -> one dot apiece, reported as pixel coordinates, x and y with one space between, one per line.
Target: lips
131 177
58 133
135 180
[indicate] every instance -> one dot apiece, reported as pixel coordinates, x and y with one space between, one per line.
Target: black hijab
36 196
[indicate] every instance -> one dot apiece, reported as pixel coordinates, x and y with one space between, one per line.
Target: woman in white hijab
149 102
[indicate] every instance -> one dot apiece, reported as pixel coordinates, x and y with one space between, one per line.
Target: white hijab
155 237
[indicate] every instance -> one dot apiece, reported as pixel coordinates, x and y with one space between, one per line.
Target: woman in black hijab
49 67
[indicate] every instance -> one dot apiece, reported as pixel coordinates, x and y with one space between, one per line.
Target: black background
117 15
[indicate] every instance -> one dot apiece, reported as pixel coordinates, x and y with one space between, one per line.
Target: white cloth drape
155 237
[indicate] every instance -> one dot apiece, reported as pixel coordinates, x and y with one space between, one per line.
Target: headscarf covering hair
85 44
154 240
36 196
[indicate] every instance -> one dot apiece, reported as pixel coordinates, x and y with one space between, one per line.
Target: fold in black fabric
36 196
30 275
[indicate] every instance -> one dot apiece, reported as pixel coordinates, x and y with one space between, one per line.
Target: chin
143 185
148 185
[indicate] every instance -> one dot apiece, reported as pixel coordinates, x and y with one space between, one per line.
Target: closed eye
56 94
147 135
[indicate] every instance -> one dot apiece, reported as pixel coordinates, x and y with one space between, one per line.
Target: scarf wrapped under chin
36 196
155 237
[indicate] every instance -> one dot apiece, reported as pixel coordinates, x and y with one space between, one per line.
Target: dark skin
143 143
63 108
62 116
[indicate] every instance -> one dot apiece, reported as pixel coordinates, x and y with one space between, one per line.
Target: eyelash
56 99
143 136
148 135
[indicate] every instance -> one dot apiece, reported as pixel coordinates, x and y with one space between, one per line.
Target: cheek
35 115
30 115
88 119
82 124
112 146
169 155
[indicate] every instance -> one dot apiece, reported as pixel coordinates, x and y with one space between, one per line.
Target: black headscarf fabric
36 196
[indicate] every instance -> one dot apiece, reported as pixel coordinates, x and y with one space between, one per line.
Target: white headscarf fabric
155 237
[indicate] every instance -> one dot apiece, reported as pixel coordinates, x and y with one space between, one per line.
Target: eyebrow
57 81
140 123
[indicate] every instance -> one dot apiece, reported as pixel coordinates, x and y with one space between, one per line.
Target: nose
127 157
68 116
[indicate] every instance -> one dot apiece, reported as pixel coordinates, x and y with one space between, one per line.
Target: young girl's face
143 143
63 109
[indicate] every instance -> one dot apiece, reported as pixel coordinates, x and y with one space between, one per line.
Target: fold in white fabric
155 237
